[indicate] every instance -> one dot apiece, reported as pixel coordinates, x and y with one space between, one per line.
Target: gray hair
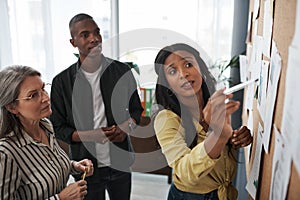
11 79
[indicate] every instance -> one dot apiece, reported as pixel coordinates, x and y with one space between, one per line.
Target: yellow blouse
193 170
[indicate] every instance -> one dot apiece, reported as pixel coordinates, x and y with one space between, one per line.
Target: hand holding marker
239 86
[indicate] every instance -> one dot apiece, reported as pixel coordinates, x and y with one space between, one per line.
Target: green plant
220 67
76 54
134 66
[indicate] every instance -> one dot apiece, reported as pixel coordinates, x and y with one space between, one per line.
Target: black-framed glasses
36 95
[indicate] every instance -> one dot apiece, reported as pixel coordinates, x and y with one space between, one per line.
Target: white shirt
102 150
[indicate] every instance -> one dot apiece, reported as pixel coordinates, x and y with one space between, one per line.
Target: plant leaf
76 54
133 66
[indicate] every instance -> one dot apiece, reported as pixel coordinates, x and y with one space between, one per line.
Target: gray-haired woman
33 166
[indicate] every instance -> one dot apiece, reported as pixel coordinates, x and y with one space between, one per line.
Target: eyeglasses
35 95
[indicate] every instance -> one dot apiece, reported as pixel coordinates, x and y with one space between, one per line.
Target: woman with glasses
32 164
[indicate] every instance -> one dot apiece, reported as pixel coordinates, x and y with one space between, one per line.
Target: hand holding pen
78 189
85 166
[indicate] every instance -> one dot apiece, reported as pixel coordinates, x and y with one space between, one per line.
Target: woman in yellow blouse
193 126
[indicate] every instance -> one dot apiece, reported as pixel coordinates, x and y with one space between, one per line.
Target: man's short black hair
77 18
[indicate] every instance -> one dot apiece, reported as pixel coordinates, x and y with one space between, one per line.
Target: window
39 31
147 26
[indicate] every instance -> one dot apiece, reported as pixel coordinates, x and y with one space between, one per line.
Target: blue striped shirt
31 170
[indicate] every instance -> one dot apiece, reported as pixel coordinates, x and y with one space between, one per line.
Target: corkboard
284 12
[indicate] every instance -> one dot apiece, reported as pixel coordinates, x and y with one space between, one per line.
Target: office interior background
36 33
